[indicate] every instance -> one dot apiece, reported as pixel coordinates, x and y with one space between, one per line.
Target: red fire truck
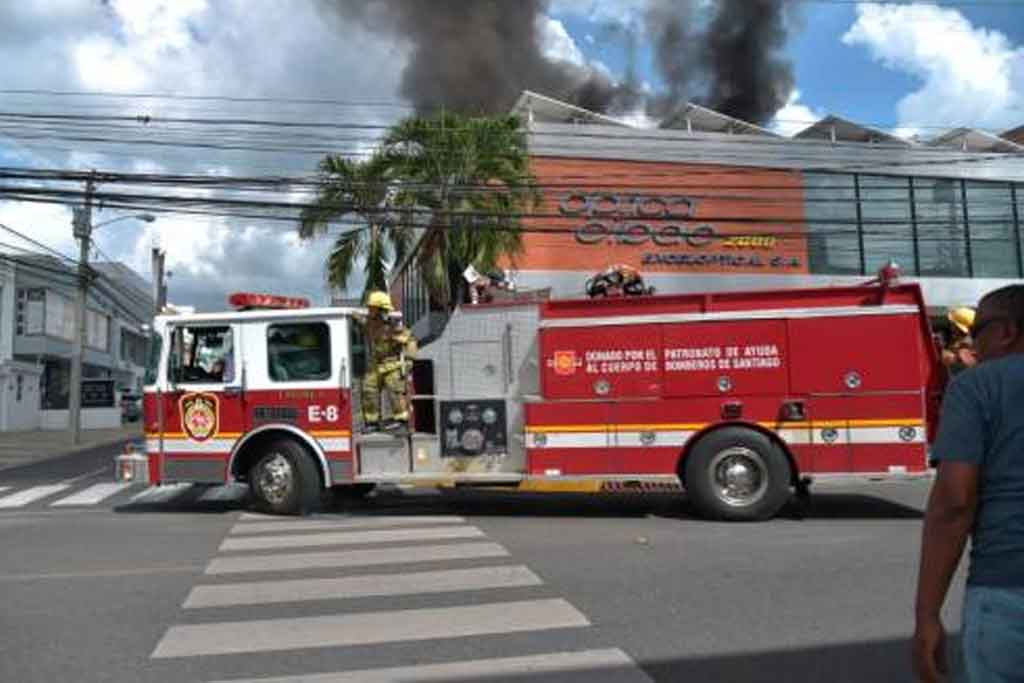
740 398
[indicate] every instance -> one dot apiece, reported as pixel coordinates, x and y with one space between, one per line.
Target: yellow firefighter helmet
962 318
380 300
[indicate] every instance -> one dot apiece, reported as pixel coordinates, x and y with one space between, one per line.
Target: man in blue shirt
979 492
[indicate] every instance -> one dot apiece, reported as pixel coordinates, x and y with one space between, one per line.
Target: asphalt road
520 587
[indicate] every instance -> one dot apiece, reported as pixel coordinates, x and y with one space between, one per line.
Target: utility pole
82 230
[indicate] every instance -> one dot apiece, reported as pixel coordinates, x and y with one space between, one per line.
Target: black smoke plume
748 77
479 55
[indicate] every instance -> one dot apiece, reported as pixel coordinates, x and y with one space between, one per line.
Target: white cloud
555 42
968 75
193 47
46 223
794 117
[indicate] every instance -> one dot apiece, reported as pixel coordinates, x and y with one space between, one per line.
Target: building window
97 330
830 207
60 316
31 311
299 352
886 222
991 222
942 243
133 347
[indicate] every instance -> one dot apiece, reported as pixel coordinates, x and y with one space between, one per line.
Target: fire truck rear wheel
284 481
737 474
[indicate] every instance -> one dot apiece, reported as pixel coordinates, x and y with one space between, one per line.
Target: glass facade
887 221
931 227
833 242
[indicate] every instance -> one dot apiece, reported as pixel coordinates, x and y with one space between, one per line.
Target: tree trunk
456 285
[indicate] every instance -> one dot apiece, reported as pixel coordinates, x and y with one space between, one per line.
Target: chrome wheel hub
739 476
276 479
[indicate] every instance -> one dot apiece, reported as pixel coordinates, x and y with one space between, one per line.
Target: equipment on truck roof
617 280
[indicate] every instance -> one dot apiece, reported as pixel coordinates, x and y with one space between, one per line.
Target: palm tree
471 176
360 189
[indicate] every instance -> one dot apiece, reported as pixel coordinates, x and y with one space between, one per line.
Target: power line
37 243
209 98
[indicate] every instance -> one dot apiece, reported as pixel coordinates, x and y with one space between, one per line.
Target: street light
144 217
82 230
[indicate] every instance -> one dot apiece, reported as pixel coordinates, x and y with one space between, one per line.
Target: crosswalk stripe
367 628
92 495
351 587
30 495
354 558
348 538
226 492
344 523
260 517
609 666
160 494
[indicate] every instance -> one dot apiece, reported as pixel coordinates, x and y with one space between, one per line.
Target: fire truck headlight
455 416
490 416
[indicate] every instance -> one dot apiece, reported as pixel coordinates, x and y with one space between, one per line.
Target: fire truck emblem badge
564 362
199 419
829 435
907 434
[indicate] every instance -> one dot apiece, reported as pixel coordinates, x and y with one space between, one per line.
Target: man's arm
947 523
948 519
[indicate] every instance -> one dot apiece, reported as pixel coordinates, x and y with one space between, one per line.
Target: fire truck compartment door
601 362
478 369
747 358
856 355
384 455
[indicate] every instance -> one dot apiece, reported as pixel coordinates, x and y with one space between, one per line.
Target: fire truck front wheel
737 474
284 481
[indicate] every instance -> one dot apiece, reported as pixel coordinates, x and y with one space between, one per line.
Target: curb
34 458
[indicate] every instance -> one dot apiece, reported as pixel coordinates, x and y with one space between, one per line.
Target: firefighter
392 349
958 353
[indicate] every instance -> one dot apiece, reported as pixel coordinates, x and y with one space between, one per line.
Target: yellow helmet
379 300
962 318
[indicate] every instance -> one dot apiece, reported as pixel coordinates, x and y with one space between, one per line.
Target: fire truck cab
737 397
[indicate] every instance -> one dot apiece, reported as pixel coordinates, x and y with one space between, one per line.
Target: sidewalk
20 448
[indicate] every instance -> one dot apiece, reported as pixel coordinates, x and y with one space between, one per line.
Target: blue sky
867 79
